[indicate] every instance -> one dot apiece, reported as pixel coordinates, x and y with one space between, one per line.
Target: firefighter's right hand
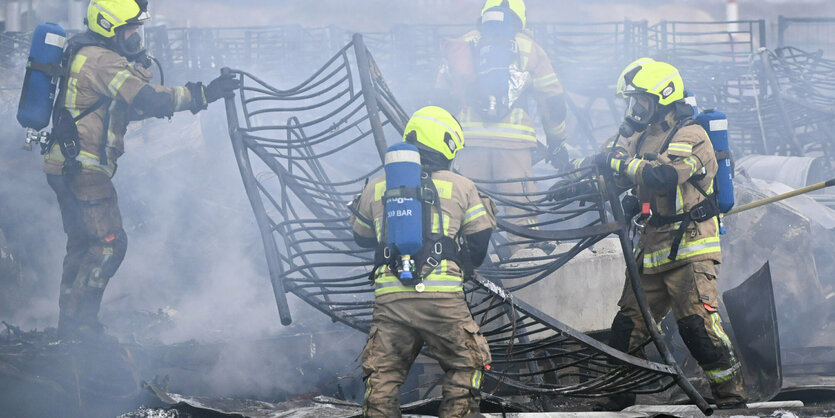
567 189
223 86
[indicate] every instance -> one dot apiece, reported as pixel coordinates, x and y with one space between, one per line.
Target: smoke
195 267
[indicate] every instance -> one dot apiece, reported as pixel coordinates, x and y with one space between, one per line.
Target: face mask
640 110
132 44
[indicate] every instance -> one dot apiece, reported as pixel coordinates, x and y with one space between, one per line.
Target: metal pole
254 195
638 289
369 94
779 197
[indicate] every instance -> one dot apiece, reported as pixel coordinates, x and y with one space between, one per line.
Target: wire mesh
298 139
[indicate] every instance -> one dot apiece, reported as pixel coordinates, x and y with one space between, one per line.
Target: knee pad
693 332
111 251
622 328
115 247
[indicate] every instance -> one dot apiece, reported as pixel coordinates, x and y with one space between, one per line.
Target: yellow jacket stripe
434 283
87 160
117 82
680 148
686 250
499 130
474 213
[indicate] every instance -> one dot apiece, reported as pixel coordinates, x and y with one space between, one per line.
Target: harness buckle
698 212
428 195
432 262
439 248
386 253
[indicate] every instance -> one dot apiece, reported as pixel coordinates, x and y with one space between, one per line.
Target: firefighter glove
223 86
616 161
558 157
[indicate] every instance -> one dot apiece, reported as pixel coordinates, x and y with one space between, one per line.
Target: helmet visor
130 39
640 108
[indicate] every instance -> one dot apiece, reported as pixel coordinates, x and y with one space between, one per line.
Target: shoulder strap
680 124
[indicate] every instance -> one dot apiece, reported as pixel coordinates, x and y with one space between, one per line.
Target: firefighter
670 163
434 312
106 87
493 72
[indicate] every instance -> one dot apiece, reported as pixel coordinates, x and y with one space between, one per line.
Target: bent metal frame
303 153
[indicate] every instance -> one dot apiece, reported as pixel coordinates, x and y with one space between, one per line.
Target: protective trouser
690 291
96 246
399 329
498 164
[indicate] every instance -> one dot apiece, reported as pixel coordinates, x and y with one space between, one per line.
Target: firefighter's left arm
478 224
549 94
361 219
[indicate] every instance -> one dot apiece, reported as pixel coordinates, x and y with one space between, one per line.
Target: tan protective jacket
691 154
465 213
516 130
95 72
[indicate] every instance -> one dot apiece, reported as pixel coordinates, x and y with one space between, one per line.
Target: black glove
565 189
559 159
223 86
616 161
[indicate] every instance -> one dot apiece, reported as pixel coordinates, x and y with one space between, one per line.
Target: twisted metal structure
305 152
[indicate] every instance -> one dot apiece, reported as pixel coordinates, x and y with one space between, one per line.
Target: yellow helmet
621 85
517 6
658 79
436 129
105 16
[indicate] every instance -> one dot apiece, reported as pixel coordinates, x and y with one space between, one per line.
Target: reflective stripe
477 379
720 332
78 63
499 130
632 168
691 162
379 190
557 130
363 224
444 188
474 213
107 12
681 147
434 283
367 394
687 250
435 224
516 116
525 45
180 98
679 201
448 128
378 228
71 96
545 81
117 82
402 156
664 81
87 160
615 164
719 376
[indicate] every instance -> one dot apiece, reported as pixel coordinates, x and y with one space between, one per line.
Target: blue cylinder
716 125
38 92
404 212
